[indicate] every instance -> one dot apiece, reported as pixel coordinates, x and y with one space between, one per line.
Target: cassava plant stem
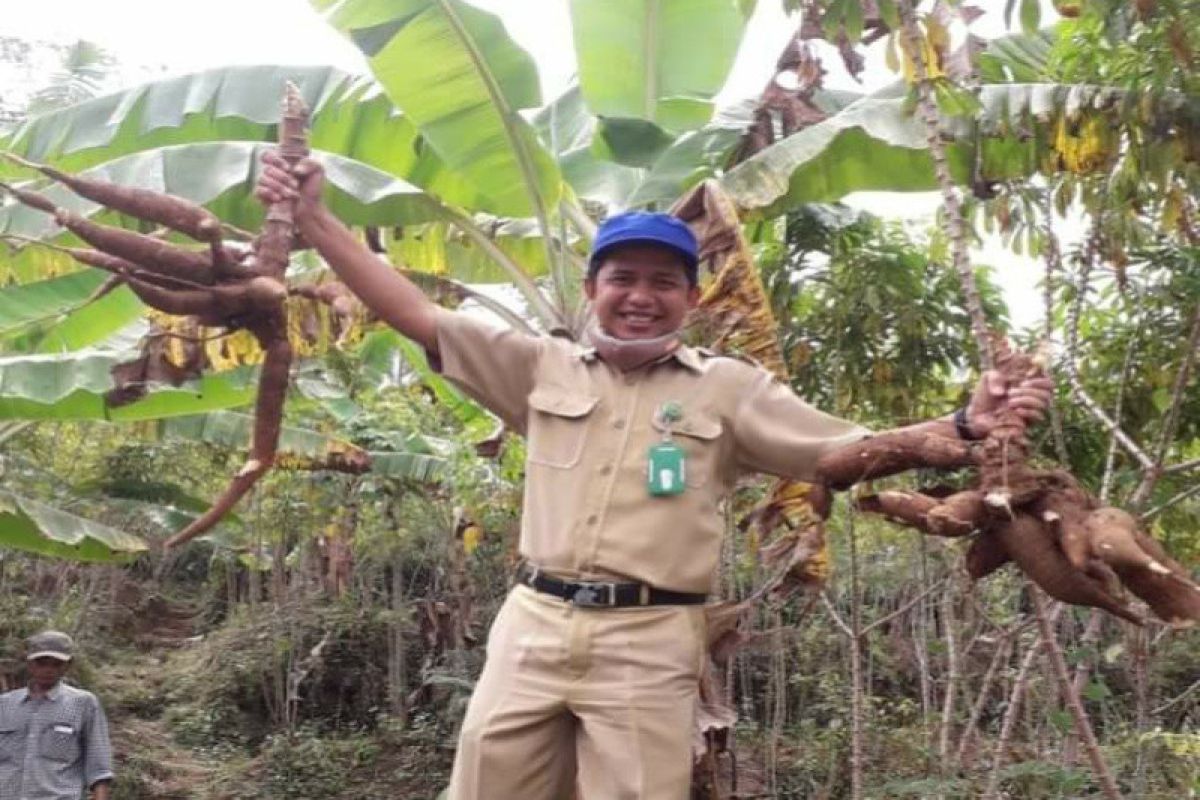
955 225
1083 725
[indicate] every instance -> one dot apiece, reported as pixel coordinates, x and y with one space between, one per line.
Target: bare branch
1181 467
1150 475
1182 696
835 616
1053 256
1191 491
889 617
1110 457
1081 394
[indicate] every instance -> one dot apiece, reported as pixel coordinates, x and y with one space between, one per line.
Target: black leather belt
603 594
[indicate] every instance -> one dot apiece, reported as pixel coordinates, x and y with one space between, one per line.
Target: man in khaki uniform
633 441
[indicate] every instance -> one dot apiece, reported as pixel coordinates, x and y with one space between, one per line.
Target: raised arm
395 299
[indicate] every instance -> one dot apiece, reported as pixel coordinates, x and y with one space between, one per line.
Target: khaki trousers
599 698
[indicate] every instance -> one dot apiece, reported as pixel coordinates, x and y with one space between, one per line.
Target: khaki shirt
587 510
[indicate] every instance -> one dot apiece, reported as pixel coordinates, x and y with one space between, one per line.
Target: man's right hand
392 297
302 183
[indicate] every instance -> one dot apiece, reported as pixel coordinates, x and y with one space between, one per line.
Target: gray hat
49 644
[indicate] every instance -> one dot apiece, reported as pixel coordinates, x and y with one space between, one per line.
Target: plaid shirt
53 748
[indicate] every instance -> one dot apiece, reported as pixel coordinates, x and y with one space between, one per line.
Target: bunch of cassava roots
1061 537
222 284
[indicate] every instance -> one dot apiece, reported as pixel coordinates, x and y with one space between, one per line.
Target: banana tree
447 150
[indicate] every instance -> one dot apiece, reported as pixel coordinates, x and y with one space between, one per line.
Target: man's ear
693 296
589 288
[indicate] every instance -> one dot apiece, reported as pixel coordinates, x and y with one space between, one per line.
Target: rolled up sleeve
778 433
494 365
97 765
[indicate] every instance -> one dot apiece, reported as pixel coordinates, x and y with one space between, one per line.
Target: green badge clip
665 463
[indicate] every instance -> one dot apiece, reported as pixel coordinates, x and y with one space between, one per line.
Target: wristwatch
963 428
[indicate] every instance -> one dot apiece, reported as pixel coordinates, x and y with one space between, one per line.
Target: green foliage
306 764
875 325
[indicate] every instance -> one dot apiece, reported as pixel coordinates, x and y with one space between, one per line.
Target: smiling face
641 292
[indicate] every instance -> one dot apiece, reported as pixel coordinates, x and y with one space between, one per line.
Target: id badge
665 469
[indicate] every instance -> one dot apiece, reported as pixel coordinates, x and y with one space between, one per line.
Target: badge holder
666 465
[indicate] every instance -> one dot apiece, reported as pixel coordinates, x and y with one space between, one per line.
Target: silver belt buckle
589 595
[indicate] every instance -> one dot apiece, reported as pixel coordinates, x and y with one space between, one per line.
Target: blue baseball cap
642 227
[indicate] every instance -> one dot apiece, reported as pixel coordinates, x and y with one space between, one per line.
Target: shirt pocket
10 742
59 742
558 426
699 435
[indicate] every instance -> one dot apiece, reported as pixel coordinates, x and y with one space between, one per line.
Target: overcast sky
158 37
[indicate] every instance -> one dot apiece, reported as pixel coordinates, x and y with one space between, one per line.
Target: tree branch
1086 400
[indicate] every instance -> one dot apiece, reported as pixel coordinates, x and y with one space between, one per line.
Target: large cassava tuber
1044 521
221 286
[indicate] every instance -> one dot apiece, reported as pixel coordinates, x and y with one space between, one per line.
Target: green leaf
854 21
21 305
832 19
42 529
631 142
1031 15
874 145
889 13
694 157
1017 57
1061 720
72 386
478 422
1096 691
568 128
350 115
94 323
412 466
643 59
221 176
455 73
233 430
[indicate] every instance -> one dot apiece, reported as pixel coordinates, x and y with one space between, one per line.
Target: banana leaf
656 61
455 73
35 527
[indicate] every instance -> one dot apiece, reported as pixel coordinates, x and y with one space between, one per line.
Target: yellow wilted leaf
1172 210
1087 146
472 535
234 350
929 56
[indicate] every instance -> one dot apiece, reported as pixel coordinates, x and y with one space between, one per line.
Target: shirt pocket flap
58 745
698 426
561 402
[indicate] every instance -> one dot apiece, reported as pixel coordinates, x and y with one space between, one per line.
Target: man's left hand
993 397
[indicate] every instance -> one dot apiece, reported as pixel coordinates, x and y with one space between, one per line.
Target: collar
52 695
687 356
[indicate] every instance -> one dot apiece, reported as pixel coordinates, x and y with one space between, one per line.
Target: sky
157 38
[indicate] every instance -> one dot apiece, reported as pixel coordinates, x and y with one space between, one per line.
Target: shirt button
592 520
619 424
606 470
